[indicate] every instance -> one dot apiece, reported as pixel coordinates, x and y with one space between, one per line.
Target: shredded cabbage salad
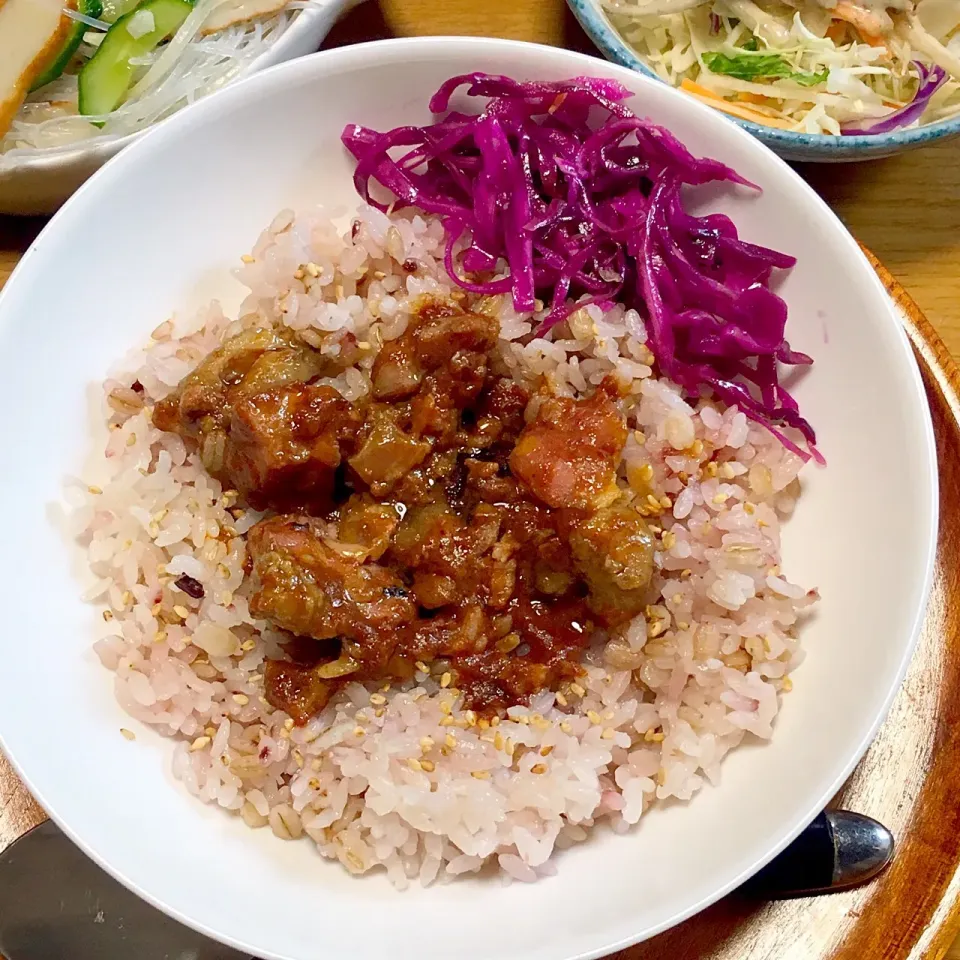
837 67
556 190
189 66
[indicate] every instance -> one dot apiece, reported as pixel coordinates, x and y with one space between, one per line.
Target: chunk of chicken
613 550
386 451
369 524
201 401
440 331
448 554
445 394
284 445
450 634
260 424
567 456
439 365
296 688
500 414
318 587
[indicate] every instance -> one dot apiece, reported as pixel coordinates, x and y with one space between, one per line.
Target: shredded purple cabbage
583 201
931 80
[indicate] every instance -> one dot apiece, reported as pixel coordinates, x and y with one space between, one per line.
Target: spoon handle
839 850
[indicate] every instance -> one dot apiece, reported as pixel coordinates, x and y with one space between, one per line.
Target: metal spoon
55 902
839 850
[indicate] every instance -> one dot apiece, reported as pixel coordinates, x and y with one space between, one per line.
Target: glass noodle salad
836 67
71 70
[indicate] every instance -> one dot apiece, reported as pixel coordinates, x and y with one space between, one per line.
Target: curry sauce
428 522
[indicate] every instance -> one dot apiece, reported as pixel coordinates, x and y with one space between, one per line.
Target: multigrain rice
399 775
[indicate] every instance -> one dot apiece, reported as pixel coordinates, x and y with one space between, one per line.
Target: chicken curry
433 520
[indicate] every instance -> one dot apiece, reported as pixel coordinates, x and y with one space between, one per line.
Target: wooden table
905 209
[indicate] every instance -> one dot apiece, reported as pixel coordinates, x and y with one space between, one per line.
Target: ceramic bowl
40 183
124 258
805 147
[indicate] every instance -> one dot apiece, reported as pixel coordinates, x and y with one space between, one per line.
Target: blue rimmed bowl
809 147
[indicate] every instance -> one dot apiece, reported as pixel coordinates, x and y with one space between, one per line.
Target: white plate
158 227
40 182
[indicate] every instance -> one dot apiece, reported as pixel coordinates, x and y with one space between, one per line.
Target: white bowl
157 229
40 183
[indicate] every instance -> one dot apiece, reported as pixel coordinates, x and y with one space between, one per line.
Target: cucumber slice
113 10
91 8
107 75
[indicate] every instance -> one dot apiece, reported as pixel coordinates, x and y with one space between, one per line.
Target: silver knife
56 902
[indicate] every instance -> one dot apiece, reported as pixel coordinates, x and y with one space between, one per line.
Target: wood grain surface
907 211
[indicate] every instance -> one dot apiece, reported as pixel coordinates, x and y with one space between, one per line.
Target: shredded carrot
752 98
698 90
734 109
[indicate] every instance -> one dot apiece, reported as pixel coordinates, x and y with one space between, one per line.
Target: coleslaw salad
805 67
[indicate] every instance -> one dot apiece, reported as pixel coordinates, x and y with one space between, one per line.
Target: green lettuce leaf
764 66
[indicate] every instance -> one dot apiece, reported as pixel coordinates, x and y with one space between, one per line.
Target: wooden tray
905 780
